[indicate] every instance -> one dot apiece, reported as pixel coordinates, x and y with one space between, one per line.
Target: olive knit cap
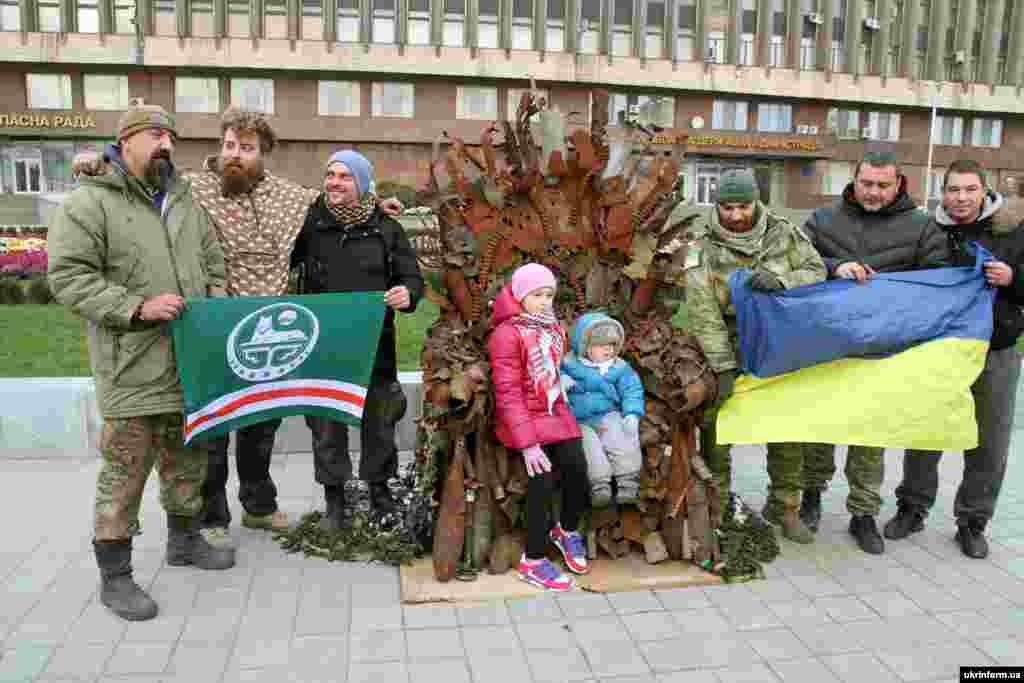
140 117
737 187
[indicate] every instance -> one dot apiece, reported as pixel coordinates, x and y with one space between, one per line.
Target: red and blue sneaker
574 550
544 574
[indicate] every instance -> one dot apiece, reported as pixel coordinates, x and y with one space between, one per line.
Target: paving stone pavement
826 612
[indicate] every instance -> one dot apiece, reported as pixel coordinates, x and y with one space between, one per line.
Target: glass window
393 99
28 175
687 24
837 176
49 16
253 94
384 21
348 21
987 132
716 47
644 109
515 95
164 6
746 57
238 18
622 28
487 33
312 8
477 103
124 16
590 26
88 16
729 115
554 31
338 98
776 51
454 28
845 123
48 91
10 17
105 93
196 95
522 24
948 130
775 118
807 53
419 22
883 126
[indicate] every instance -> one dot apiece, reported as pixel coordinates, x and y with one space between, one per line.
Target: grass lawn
48 341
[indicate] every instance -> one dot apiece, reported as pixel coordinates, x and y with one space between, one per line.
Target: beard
239 178
159 169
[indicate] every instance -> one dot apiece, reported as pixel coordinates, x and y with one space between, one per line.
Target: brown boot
792 526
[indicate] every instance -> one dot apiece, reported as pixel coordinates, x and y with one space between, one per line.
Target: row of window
839 174
396 99
852 123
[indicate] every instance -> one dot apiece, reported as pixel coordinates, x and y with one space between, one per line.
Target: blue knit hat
360 166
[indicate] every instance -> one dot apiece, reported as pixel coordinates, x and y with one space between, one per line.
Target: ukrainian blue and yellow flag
886 363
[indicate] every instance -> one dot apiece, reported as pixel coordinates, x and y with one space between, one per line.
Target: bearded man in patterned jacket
258 217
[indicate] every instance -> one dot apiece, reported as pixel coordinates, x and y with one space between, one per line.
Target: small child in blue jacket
607 398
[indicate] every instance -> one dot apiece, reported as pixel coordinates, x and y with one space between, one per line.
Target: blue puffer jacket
594 394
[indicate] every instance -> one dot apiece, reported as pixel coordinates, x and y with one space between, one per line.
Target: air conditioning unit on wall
960 56
815 18
812 130
871 23
802 129
865 133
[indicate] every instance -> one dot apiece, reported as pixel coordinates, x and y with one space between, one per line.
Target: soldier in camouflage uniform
740 232
109 262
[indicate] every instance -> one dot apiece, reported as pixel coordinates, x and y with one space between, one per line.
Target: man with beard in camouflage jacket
741 232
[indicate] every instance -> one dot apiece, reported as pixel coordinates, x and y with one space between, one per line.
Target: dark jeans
568 460
995 394
378 459
256 490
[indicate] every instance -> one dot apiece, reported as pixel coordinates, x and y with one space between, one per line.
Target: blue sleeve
632 391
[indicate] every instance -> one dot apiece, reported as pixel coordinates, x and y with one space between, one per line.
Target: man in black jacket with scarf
970 213
875 227
348 244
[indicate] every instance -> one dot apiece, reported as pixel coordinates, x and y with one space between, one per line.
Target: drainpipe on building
931 145
140 40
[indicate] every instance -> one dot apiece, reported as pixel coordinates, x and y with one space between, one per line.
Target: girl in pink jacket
526 349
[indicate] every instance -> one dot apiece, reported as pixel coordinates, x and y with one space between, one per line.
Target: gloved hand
536 461
766 281
632 424
726 383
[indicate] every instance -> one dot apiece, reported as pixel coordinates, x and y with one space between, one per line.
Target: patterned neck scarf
354 215
545 345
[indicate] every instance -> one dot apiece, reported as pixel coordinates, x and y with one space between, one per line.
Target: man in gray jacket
874 227
127 249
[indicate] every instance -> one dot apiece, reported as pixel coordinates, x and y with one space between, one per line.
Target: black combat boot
119 591
810 509
970 534
863 528
186 546
333 518
380 498
908 520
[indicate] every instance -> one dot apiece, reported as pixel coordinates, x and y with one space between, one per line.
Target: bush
39 291
404 193
11 291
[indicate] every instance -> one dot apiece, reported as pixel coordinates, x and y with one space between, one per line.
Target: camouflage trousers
865 472
131 447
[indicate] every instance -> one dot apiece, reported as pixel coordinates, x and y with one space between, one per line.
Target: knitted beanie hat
140 117
604 331
360 166
530 277
737 187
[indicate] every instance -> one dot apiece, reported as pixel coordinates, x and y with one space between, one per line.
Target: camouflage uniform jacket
257 230
774 244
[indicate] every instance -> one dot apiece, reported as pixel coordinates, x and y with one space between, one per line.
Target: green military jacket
110 249
774 244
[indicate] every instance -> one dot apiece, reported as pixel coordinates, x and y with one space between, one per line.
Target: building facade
794 89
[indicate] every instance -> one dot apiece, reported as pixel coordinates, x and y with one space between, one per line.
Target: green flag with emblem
246 360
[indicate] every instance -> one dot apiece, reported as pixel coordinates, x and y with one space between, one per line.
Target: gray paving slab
826 613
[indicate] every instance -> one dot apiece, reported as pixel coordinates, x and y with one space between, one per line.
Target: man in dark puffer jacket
875 227
972 213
